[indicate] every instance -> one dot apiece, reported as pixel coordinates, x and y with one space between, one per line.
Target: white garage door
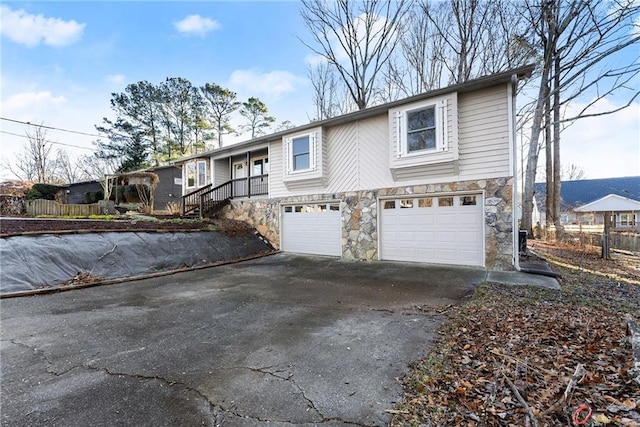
440 229
312 229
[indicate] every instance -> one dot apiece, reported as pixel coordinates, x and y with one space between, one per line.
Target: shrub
42 191
93 196
174 208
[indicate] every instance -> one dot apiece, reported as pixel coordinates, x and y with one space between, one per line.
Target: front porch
208 200
221 178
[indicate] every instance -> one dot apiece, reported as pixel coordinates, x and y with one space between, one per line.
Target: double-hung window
301 153
202 172
421 130
191 175
196 173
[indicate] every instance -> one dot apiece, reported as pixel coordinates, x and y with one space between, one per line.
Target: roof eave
468 86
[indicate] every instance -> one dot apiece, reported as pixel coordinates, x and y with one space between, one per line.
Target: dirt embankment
22 226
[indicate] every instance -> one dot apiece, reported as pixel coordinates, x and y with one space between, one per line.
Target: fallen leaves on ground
82 279
525 356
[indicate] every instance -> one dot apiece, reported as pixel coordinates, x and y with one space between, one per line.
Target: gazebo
617 211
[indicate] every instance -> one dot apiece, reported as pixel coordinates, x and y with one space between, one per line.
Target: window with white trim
196 173
202 172
420 129
191 175
301 153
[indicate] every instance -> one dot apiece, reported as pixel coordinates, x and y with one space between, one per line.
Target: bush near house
91 197
42 191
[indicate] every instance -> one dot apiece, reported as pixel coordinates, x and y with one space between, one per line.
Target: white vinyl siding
221 172
358 155
484 132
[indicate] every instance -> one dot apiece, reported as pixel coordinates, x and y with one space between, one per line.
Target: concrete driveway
284 340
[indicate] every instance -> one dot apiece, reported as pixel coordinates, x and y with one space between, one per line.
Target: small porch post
248 174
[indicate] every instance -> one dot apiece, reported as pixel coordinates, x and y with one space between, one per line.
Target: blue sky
62 60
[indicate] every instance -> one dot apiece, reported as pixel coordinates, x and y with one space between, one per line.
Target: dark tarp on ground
30 262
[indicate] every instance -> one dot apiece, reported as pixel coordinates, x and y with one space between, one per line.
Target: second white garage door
440 229
312 229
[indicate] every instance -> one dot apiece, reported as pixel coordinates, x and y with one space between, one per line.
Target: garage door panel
317 233
438 234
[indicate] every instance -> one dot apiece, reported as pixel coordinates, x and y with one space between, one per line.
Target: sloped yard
523 356
18 226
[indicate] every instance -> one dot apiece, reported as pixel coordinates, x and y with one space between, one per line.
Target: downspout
516 241
514 153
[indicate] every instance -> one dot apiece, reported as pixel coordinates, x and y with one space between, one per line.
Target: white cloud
26 102
196 25
30 30
272 84
604 146
116 79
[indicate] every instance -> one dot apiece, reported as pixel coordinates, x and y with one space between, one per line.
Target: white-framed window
196 173
301 153
191 174
202 172
260 166
627 219
421 128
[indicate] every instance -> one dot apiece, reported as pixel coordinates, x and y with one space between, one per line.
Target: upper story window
423 133
301 153
421 129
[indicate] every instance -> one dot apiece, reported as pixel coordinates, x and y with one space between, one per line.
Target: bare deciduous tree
576 39
36 162
572 172
69 171
356 38
326 91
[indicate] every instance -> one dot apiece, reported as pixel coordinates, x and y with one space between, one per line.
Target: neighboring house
624 212
577 194
79 192
426 179
169 187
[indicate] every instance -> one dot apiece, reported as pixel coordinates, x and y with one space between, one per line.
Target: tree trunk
532 160
556 150
548 152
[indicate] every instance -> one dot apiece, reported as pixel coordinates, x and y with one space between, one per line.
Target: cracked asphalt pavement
281 340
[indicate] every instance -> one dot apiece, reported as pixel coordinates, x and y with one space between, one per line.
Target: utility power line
49 141
50 127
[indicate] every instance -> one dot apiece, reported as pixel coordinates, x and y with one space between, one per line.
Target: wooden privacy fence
49 207
617 240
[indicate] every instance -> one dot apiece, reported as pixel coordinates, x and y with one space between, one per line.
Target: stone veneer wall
359 216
